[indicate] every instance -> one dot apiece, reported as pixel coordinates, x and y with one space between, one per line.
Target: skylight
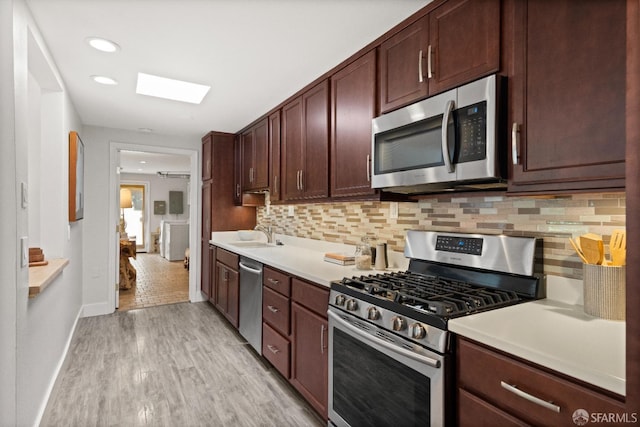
176 90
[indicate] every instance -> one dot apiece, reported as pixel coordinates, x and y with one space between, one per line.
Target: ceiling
253 53
152 163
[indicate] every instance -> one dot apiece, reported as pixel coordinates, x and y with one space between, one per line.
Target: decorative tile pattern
553 219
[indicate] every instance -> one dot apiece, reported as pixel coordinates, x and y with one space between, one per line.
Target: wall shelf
41 276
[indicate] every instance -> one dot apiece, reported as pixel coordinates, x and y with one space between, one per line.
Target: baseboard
56 372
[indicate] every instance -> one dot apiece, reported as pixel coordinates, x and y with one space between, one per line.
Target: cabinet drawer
228 258
276 349
475 412
311 296
275 310
502 380
277 281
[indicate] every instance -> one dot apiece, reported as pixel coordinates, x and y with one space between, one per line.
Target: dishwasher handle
249 269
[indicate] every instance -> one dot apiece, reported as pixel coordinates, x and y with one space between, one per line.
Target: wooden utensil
592 248
618 247
576 247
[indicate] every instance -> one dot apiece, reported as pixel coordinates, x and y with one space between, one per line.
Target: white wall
34 333
97 228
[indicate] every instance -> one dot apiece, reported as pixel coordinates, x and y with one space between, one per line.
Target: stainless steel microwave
450 141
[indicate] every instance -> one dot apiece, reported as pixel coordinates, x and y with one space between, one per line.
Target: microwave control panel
472 132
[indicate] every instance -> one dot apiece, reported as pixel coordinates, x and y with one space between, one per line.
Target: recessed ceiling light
176 90
102 45
143 162
104 80
146 130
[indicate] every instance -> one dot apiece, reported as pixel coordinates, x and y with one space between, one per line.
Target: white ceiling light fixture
176 90
103 45
104 80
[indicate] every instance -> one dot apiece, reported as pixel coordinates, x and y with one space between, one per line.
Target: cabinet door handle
273 281
298 180
531 398
273 309
275 184
368 168
420 75
250 174
273 349
237 190
429 65
515 143
322 329
301 180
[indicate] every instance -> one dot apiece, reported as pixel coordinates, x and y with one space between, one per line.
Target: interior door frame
194 215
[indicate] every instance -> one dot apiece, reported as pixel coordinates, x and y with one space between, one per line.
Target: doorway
143 214
133 220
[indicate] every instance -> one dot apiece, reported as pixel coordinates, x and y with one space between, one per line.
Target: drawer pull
273 281
273 349
272 309
515 390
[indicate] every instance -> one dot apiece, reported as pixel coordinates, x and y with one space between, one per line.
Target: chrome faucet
266 230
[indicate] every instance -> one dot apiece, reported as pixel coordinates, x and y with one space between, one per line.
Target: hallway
158 282
173 365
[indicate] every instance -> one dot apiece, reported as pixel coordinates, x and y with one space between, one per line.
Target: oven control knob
373 313
417 331
352 305
340 299
398 323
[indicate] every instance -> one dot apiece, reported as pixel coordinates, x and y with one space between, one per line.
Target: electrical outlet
393 210
292 211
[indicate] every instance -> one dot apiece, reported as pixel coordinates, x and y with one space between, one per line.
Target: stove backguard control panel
460 245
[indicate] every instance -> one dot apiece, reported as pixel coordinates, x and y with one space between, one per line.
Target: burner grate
437 295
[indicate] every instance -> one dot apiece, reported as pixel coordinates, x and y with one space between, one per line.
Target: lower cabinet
295 335
495 389
227 285
309 343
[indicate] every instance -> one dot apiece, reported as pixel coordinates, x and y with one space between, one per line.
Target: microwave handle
448 109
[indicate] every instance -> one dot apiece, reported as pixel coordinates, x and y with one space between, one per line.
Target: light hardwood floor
171 365
158 281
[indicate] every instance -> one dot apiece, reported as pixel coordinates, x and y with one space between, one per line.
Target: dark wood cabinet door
353 106
274 160
464 36
206 158
233 297
205 270
314 179
292 141
309 363
246 144
261 155
222 287
568 95
403 66
475 412
237 170
206 210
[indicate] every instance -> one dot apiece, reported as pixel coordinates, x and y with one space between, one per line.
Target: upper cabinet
567 96
353 106
457 42
274 159
255 157
305 145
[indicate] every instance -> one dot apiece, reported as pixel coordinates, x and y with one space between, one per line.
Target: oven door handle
398 350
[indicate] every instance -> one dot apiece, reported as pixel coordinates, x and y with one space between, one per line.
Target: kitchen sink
252 244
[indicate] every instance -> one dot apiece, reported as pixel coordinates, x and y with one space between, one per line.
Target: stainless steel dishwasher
250 325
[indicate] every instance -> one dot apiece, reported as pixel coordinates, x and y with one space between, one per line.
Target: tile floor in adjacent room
158 281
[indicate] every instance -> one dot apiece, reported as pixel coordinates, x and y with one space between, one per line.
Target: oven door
377 378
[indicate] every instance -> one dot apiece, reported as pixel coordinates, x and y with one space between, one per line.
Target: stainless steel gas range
390 353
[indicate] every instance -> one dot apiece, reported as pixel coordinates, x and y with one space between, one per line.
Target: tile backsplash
553 219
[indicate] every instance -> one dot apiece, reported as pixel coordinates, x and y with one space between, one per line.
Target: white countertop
301 257
555 335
